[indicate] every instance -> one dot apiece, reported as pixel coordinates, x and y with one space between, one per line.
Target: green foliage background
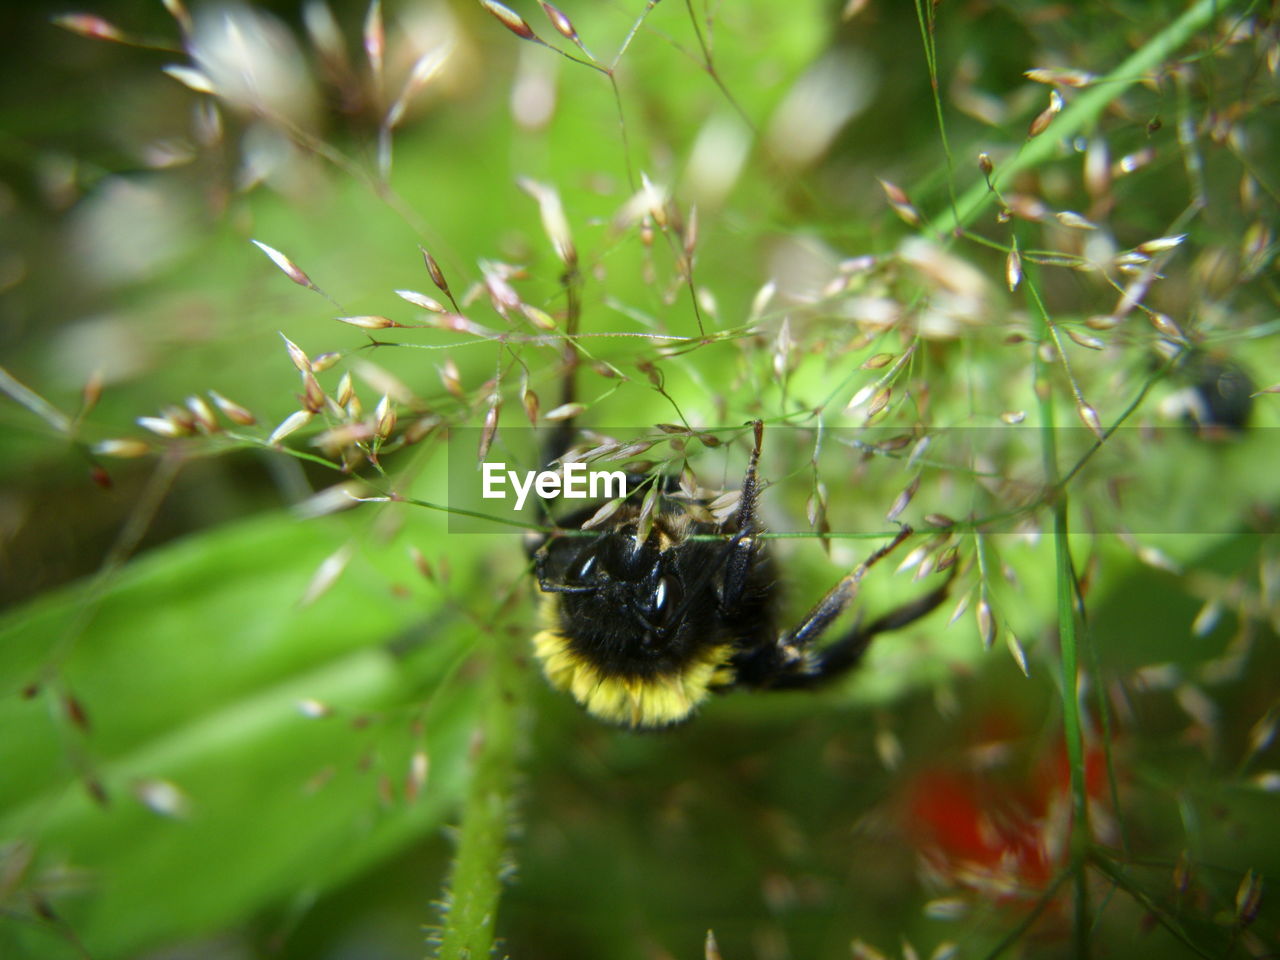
156 635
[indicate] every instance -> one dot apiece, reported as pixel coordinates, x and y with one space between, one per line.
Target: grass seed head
203 414
1248 899
510 19
121 449
163 426
421 300
232 410
434 271
384 417
286 266
1013 267
986 623
1091 420
564 26
291 424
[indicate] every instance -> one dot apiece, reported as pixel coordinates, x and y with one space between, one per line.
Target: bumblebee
641 631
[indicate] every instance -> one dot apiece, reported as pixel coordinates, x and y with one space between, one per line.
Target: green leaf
190 667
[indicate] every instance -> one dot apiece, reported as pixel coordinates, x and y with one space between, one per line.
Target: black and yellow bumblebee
642 630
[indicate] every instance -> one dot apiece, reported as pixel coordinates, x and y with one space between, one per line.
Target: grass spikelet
900 202
370 322
191 78
560 20
290 425
121 449
1013 267
554 221
326 575
88 25
1042 120
289 268
232 410
510 19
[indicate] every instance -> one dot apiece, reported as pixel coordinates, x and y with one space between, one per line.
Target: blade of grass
1084 110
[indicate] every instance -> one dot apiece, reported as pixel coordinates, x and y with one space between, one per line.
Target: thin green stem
928 23
482 860
1068 638
1166 919
1028 921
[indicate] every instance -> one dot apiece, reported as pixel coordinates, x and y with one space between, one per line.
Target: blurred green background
242 720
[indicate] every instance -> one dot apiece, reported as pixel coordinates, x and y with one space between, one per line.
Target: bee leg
846 653
742 548
797 665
